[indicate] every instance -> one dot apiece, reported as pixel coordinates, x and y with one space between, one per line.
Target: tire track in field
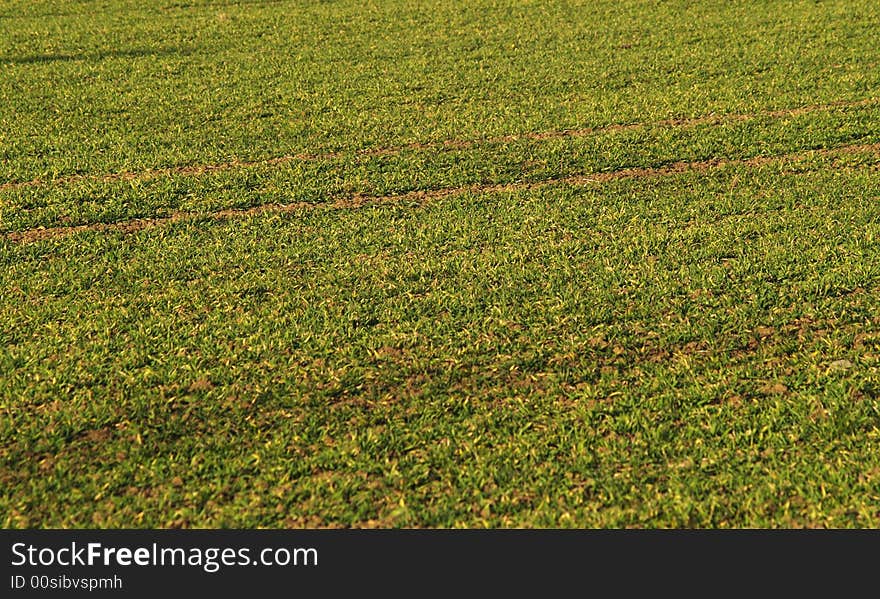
449 144
421 196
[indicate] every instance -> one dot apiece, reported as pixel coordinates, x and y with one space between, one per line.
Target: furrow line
449 144
420 196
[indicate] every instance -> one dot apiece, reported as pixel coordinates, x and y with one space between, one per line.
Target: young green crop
699 350
566 264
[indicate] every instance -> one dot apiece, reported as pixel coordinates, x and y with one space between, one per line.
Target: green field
295 263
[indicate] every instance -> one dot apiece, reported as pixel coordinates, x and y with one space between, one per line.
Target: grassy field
476 264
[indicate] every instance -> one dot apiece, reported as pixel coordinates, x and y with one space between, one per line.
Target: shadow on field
93 56
197 4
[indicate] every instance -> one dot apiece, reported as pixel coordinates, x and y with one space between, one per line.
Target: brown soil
419 196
